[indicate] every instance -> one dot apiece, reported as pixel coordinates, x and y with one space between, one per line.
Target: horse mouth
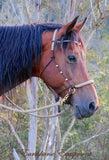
79 112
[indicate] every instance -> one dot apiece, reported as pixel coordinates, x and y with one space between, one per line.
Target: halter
71 88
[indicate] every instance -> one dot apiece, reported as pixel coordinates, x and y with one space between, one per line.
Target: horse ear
80 25
67 28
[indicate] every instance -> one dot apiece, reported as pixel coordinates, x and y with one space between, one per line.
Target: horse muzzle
84 111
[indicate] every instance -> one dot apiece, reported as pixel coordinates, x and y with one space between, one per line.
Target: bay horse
55 53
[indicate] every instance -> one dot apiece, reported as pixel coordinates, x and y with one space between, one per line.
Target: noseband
71 88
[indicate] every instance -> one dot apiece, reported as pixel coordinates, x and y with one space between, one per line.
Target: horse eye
72 58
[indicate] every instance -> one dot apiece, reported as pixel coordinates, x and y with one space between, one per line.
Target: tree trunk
24 13
52 134
37 4
32 86
70 10
32 97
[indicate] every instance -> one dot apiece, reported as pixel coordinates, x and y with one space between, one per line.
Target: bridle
71 88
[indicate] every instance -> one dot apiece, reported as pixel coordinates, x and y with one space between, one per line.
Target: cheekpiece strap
53 40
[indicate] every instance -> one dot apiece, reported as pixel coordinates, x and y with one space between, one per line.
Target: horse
55 53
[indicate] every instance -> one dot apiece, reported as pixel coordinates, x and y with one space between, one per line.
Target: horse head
63 68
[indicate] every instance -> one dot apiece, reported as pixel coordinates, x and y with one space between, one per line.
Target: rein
71 89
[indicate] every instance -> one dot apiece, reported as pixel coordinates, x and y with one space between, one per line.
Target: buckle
64 99
71 92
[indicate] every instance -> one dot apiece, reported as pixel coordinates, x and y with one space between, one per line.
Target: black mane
17 46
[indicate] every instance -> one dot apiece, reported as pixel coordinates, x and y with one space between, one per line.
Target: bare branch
16 156
92 8
43 91
15 105
102 15
34 110
99 9
66 133
14 132
87 140
97 24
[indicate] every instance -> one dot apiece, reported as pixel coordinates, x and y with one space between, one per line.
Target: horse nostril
92 107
